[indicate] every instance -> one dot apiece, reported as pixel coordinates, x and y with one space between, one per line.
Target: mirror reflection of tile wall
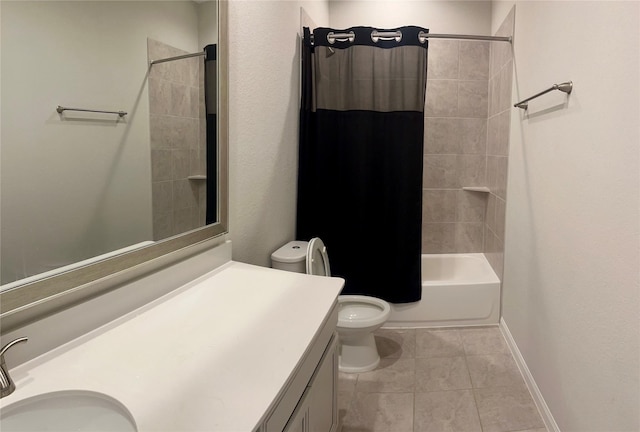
178 155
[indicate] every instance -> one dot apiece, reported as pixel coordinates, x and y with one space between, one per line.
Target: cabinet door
299 419
323 409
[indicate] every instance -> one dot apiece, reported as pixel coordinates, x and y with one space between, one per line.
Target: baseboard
543 408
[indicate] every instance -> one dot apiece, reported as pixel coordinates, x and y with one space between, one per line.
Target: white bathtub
457 289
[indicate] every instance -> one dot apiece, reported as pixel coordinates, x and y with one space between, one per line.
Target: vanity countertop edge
214 354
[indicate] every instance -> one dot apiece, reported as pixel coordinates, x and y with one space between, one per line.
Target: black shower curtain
211 105
361 157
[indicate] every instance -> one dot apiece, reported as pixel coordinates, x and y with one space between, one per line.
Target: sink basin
67 411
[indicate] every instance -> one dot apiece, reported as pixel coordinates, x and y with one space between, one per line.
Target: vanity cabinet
316 411
265 361
309 403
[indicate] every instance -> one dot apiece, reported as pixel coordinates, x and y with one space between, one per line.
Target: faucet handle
7 385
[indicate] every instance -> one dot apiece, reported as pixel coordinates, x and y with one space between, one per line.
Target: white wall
571 289
263 131
207 23
465 17
77 188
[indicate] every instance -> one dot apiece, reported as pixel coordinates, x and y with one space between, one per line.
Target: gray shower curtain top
386 75
360 155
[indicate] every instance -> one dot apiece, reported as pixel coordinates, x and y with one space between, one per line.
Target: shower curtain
211 105
361 156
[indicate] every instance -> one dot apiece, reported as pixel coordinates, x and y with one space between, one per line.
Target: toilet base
358 354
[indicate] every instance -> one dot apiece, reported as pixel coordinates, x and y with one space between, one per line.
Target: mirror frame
30 301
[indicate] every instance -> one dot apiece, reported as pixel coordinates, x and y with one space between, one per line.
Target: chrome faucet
7 385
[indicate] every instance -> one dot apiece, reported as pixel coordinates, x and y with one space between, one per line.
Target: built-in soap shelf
483 189
197 177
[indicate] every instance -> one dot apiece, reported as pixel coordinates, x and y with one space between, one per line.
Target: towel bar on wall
61 109
563 87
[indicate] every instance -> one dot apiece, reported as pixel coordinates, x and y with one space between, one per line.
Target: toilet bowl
358 316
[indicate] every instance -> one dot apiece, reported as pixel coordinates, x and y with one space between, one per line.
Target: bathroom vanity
241 348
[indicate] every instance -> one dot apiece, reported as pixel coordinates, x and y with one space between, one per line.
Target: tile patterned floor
439 380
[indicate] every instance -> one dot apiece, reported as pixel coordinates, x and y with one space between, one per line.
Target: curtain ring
386 36
422 37
341 37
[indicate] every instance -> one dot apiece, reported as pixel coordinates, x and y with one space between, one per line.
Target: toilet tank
291 257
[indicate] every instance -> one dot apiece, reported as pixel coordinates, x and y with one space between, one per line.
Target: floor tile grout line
466 354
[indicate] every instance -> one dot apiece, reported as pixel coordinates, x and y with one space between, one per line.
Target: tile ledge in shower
197 177
483 189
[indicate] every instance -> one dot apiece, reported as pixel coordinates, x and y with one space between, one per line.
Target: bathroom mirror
87 194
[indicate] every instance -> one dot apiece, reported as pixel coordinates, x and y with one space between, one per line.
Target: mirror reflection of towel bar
61 109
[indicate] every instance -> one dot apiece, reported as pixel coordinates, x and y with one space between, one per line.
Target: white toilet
358 316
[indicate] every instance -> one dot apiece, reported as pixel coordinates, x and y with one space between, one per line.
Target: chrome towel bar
61 109
563 87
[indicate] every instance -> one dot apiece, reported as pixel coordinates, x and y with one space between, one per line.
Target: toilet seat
358 311
317 258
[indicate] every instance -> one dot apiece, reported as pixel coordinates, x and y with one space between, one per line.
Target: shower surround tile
474 60
473 99
473 135
504 98
440 172
469 237
442 135
467 112
471 206
175 126
438 238
500 85
455 136
439 205
456 144
443 59
181 161
161 165
472 170
442 98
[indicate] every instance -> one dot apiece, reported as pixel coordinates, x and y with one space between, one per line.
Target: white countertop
211 355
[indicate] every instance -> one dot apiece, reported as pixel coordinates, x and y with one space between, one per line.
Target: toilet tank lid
294 251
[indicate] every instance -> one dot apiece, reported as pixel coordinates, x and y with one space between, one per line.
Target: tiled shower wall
455 146
467 116
177 142
501 71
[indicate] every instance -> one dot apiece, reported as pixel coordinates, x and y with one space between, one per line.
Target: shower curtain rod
425 36
180 57
471 37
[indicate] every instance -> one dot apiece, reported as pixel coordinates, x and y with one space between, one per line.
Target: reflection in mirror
76 186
